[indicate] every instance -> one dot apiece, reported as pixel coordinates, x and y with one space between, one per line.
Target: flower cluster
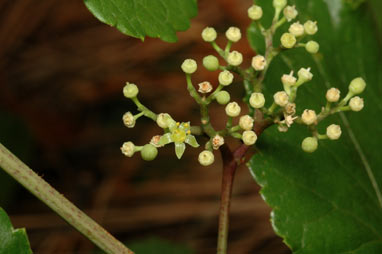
281 111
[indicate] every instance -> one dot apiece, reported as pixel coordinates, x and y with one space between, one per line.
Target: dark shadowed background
61 104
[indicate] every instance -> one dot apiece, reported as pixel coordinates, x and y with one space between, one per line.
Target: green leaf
327 202
12 240
158 246
140 18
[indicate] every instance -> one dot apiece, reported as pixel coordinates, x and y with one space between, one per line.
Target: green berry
149 152
222 97
312 47
309 144
211 63
288 40
189 66
130 90
357 86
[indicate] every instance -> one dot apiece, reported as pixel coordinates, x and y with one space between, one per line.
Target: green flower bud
189 66
309 117
246 122
209 34
310 27
357 86
288 80
296 29
128 120
333 131
309 144
279 4
130 90
211 63
128 149
281 98
257 100
235 58
233 34
333 95
288 40
249 138
356 104
290 12
232 109
304 75
206 158
222 97
164 120
312 47
149 152
255 12
225 78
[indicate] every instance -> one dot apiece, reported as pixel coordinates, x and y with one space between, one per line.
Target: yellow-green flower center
178 136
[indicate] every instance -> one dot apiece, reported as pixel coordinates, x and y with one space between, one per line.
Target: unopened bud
232 109
223 97
233 34
297 29
279 4
255 12
189 66
288 80
310 27
164 120
225 78
206 158
281 98
290 12
130 90
312 47
246 122
333 131
128 120
149 152
288 40
356 104
357 86
304 75
309 117
211 63
259 62
333 95
309 144
249 138
235 58
257 100
209 34
128 149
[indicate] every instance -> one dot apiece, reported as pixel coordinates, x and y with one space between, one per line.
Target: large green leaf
12 241
140 18
159 246
327 202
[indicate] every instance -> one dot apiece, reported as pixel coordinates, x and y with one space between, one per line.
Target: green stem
191 89
58 203
147 112
205 119
219 50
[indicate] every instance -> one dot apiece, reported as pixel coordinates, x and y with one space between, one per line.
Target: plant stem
58 203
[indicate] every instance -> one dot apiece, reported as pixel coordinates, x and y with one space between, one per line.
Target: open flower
180 133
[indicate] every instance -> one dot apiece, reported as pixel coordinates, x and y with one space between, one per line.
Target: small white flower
233 34
290 12
205 87
155 141
333 131
257 100
304 75
281 98
356 104
128 149
128 120
217 142
259 62
290 109
309 117
333 95
249 138
209 34
235 58
232 109
297 29
246 122
288 120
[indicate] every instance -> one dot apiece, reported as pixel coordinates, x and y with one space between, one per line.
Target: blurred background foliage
61 104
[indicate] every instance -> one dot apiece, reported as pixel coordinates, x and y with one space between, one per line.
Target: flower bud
211 63
235 58
312 47
164 120
333 95
249 138
255 12
309 144
290 12
259 62
205 87
297 29
149 152
356 104
310 27
288 80
206 158
304 75
189 66
128 149
222 97
209 34
246 122
288 40
257 100
290 109
130 90
333 131
233 34
217 142
279 4
225 78
281 98
232 109
357 86
128 120
155 141
309 117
